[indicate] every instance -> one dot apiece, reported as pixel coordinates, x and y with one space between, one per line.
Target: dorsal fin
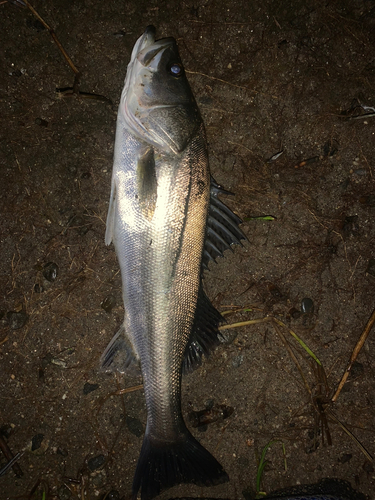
222 229
205 335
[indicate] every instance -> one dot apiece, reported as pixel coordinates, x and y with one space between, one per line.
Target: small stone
345 457
36 442
307 306
96 463
64 493
113 495
17 320
6 431
41 122
62 452
38 288
50 271
237 361
87 388
368 467
108 303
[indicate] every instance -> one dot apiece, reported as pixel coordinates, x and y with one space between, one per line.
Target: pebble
96 462
87 388
16 320
50 271
307 305
39 444
113 495
108 303
64 493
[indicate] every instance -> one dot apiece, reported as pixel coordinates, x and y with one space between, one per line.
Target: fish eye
176 69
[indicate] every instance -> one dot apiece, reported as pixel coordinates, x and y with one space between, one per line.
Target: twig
356 351
127 390
9 456
56 40
10 464
228 83
245 323
360 445
292 355
300 341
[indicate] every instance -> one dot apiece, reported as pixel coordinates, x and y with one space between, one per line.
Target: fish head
157 104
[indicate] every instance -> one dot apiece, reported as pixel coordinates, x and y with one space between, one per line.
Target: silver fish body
163 205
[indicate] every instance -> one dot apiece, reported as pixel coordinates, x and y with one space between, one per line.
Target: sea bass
166 222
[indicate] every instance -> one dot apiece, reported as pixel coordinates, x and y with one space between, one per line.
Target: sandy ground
269 77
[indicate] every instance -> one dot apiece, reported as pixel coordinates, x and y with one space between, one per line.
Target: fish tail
162 465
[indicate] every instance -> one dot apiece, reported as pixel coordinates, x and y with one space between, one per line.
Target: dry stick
9 456
360 445
55 39
245 323
292 355
127 390
358 347
229 83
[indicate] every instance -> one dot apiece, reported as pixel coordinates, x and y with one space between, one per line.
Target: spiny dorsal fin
222 229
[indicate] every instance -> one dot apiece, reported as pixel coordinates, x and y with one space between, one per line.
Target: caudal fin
162 465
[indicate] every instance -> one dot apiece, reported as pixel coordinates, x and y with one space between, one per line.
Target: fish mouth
146 54
147 51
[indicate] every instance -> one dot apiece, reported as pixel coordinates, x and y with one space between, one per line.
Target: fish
167 223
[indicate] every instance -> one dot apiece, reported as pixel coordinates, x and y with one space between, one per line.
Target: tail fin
162 465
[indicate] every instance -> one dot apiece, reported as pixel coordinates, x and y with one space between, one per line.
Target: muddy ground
269 77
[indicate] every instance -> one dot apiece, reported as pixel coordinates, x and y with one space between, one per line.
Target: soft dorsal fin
222 229
205 335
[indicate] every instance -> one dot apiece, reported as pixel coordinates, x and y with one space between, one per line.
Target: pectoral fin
110 226
119 355
147 183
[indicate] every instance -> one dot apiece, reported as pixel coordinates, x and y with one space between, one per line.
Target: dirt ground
270 77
